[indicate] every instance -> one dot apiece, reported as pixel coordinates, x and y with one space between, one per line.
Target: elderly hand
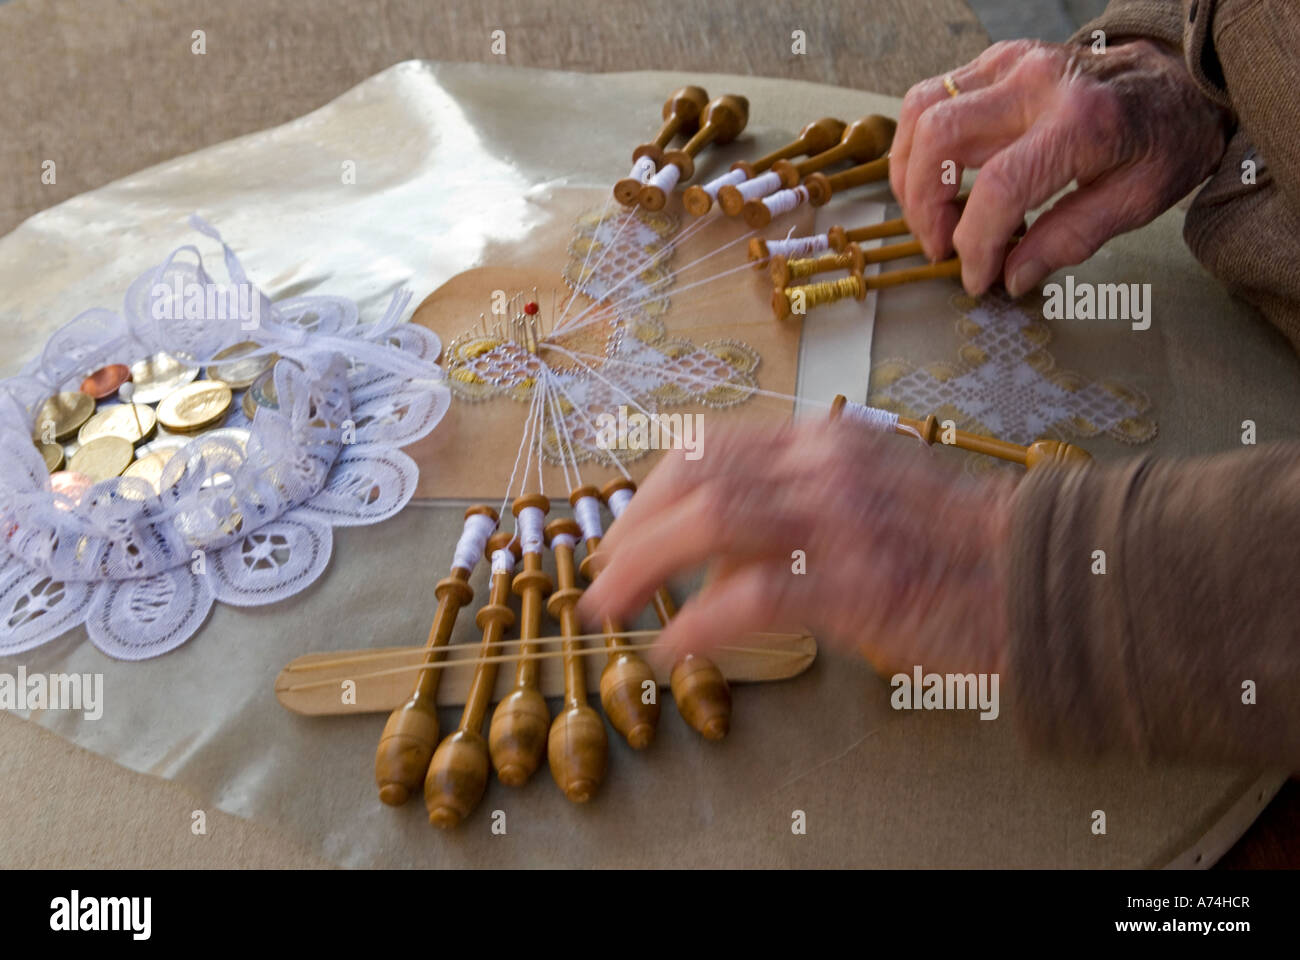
1129 124
905 560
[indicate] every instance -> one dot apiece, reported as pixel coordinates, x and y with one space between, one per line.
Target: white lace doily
242 524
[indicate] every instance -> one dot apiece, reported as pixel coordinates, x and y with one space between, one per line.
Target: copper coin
105 381
69 484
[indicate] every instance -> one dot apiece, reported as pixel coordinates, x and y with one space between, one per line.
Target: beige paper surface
447 156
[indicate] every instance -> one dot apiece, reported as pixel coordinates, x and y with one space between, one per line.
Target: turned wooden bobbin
623 681
930 430
517 734
822 187
814 138
458 772
865 139
681 114
700 690
783 271
411 733
577 748
784 299
723 121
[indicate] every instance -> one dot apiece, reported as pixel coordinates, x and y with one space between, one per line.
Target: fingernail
1025 276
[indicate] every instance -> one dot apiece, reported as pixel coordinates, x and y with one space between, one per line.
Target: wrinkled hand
1129 125
905 560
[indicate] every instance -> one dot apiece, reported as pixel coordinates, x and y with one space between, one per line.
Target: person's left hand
904 558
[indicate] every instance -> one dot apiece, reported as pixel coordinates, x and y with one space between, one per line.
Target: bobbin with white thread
813 138
681 114
458 772
723 121
577 747
1037 454
700 690
521 721
411 732
624 678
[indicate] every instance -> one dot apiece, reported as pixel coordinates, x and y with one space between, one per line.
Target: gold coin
157 376
102 458
53 454
130 421
261 394
62 415
239 370
195 406
150 469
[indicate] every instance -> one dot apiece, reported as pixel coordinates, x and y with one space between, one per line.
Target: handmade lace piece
1008 385
241 523
625 361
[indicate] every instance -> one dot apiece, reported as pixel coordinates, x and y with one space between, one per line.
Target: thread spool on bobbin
522 721
784 299
577 747
723 121
681 115
867 138
815 137
625 675
458 772
411 732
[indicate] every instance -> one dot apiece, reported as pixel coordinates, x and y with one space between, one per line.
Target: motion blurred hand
905 560
1128 124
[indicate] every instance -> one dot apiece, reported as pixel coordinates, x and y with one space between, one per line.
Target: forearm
1197 607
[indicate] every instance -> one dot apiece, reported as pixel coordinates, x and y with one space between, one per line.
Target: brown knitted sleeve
1196 614
1125 19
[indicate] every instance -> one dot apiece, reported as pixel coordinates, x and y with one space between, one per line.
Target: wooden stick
856 286
821 187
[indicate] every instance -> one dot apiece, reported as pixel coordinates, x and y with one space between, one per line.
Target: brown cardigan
1201 596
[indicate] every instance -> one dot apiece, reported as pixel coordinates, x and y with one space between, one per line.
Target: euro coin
102 458
235 368
194 406
106 381
53 456
150 468
69 485
157 376
130 421
62 415
261 394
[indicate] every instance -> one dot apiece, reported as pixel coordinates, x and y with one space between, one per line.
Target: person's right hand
1130 125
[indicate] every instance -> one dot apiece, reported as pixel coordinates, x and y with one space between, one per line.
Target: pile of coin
131 421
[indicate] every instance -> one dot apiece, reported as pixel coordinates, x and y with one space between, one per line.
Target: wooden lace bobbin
458 772
852 258
863 140
577 747
723 121
815 137
761 251
681 114
700 690
1037 454
624 678
822 187
411 733
856 286
517 734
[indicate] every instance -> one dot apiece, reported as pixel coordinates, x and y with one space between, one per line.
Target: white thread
503 561
783 201
563 540
473 540
667 177
760 186
793 247
587 511
529 522
618 501
642 170
871 417
729 179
